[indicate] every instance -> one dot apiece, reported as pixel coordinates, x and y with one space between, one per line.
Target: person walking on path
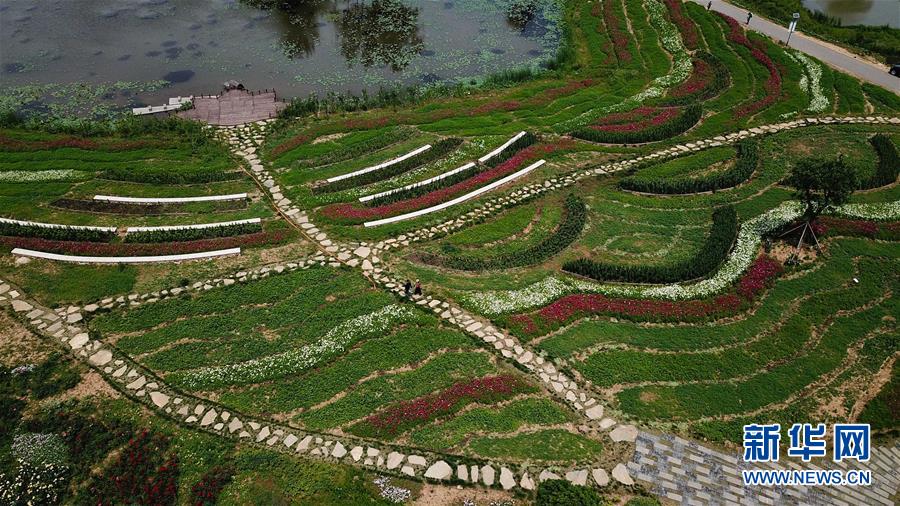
418 290
749 17
407 288
709 5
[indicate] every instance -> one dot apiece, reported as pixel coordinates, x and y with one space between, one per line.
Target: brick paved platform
234 107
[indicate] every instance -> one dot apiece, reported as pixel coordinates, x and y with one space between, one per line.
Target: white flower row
380 165
811 82
889 211
79 259
29 176
293 362
39 448
681 69
55 225
748 242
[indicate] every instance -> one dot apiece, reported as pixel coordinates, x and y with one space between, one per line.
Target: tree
820 184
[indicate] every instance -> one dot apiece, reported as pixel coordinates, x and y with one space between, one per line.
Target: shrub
663 123
206 491
888 163
565 234
193 234
722 235
438 150
60 233
563 493
743 168
140 475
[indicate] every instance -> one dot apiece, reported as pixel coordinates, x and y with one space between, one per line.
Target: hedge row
192 234
55 233
722 235
127 208
700 87
438 150
416 191
688 118
166 176
743 168
888 163
564 235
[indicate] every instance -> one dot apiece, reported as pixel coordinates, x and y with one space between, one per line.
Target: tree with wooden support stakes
820 184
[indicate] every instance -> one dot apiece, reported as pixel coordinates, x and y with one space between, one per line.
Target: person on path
749 17
418 290
407 288
709 6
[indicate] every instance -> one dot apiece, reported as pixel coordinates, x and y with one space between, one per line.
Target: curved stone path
652 461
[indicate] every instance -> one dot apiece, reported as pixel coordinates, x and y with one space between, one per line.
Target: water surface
859 12
326 46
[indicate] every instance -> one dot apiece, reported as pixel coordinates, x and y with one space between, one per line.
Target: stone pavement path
827 53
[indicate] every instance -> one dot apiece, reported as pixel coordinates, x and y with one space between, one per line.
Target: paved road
839 59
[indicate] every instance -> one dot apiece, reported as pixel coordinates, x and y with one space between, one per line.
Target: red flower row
353 213
614 28
10 144
407 413
571 307
148 249
772 84
552 94
508 105
840 226
641 113
685 25
660 116
701 78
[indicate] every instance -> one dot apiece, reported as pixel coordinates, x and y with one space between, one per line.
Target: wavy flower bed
404 415
352 214
772 84
749 240
684 24
507 105
708 78
139 475
334 342
573 307
645 124
122 249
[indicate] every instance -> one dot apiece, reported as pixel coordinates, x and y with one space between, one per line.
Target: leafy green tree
821 184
